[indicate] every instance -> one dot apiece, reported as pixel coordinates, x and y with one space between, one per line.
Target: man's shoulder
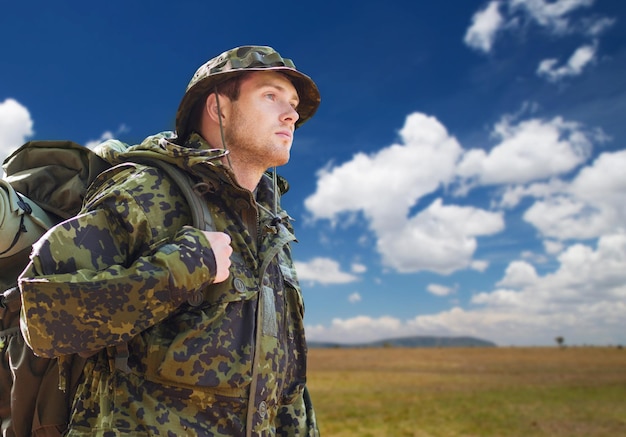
139 181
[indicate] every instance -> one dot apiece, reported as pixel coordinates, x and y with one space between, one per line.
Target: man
189 331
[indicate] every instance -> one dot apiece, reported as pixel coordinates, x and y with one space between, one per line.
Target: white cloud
592 205
553 247
356 330
385 185
517 274
594 27
354 298
576 63
440 238
530 150
582 295
440 290
107 135
513 194
537 258
485 24
597 323
583 300
556 17
563 217
479 265
604 181
550 14
323 271
358 268
16 126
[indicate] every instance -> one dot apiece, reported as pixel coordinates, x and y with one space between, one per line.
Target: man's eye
270 96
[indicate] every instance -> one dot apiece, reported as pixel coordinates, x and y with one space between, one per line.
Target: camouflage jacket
205 359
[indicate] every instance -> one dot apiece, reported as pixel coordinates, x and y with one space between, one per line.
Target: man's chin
282 162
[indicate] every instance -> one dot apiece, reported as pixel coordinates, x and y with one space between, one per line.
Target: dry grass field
469 392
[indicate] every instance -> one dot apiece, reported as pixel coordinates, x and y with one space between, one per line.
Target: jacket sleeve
124 264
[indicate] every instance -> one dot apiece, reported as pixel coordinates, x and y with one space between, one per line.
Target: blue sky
464 175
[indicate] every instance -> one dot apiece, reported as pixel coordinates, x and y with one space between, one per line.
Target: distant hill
417 341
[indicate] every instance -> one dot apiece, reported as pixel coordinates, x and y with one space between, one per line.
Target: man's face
262 122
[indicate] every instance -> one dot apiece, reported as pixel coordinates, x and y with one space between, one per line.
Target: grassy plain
452 392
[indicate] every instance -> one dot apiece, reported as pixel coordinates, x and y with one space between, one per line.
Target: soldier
188 331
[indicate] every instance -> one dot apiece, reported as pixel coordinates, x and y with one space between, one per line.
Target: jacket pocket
296 350
209 346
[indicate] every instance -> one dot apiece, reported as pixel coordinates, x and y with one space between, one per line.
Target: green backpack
44 183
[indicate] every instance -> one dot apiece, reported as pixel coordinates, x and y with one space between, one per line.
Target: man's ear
213 110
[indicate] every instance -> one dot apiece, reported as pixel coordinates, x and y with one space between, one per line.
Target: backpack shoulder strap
201 216
201 219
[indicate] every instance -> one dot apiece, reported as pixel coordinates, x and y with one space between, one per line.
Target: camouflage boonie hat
237 61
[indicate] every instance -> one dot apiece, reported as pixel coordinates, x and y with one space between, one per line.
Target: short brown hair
229 88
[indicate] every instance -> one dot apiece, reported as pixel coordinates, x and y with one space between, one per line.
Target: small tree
559 340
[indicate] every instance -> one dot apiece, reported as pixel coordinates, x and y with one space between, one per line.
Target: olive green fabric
36 392
205 359
31 403
22 222
52 175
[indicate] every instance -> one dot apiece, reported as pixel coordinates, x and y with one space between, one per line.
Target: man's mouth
285 133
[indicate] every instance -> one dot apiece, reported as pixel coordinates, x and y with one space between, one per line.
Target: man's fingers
220 243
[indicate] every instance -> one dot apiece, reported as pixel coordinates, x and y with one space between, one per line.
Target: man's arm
102 277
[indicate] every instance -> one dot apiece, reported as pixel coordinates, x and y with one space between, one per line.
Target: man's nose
290 114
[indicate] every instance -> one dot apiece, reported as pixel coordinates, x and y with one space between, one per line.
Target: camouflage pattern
205 359
236 61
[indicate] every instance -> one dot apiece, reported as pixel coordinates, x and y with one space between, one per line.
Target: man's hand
220 243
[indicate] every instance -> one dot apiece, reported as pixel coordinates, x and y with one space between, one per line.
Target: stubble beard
249 150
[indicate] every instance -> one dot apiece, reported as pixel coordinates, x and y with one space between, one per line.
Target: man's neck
245 176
